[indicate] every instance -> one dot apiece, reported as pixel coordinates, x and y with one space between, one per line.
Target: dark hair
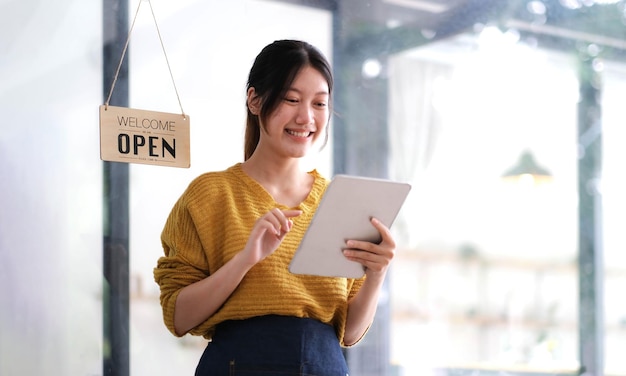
271 75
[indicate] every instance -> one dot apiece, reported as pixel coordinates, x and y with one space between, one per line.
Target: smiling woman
302 114
300 105
230 237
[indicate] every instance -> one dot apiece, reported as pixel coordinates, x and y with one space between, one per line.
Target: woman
230 237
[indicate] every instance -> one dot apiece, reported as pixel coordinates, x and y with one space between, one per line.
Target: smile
298 134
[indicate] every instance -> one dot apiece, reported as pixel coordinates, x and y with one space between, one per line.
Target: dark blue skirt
273 345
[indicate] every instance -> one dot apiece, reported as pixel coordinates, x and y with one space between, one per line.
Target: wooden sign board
148 137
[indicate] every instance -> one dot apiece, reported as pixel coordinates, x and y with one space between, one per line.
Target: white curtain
415 86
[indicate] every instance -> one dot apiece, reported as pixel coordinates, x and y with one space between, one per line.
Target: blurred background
507 117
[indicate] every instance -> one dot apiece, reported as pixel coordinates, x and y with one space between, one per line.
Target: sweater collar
310 203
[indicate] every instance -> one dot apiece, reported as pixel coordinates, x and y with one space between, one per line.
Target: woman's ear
253 101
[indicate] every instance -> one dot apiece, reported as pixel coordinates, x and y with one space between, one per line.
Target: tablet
344 213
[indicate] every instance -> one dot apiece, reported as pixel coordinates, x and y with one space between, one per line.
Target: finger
281 219
360 255
291 213
370 251
370 261
385 237
361 245
268 223
384 231
287 222
387 241
276 220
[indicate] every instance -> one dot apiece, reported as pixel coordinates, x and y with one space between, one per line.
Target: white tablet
344 213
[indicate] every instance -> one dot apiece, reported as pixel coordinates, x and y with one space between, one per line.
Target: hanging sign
148 137
139 136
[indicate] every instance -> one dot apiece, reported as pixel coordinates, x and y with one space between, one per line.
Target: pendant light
527 170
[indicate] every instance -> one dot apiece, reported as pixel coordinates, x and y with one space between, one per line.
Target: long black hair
271 75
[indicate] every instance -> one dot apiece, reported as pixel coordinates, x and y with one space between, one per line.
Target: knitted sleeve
175 269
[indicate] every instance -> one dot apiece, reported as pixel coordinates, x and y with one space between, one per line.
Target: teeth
299 134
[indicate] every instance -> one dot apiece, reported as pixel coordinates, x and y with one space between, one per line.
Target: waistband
273 326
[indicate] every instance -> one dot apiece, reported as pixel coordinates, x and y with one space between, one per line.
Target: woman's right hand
267 234
200 300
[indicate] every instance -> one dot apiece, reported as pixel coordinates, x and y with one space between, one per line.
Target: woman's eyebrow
324 92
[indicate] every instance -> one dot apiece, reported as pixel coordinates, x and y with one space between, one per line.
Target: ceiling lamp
527 170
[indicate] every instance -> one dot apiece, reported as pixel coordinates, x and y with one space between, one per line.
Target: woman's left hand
374 257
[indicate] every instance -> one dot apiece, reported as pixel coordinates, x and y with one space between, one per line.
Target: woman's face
300 118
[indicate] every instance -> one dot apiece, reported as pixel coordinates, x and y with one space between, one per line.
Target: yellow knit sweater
211 222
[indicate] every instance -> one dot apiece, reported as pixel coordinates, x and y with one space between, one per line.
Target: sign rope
117 72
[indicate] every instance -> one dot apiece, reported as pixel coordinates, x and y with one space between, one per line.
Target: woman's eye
291 100
321 104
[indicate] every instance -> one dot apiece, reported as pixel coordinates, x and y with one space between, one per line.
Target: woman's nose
305 114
